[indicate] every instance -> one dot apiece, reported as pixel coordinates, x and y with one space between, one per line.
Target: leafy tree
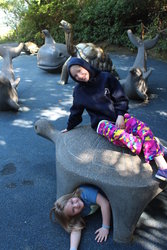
15 10
46 15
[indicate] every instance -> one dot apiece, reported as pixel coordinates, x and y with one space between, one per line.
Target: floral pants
136 136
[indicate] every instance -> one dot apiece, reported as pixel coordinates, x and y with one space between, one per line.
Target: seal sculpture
31 48
8 83
135 84
83 157
51 56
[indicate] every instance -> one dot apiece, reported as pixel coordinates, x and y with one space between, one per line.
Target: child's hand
64 131
120 122
102 234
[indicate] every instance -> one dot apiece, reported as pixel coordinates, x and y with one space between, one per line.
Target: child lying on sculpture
101 94
70 209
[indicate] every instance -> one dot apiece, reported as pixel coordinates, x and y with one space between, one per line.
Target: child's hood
81 62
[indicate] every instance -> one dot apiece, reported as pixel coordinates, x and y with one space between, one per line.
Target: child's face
74 206
79 73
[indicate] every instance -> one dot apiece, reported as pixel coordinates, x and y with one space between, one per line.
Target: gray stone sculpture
88 51
51 56
8 83
135 84
83 157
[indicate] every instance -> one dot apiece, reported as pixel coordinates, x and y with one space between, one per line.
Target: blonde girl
70 209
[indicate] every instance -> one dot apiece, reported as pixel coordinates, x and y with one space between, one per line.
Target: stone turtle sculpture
8 83
84 157
135 84
51 56
88 51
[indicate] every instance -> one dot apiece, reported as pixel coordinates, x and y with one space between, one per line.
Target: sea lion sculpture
51 56
82 157
8 83
31 48
135 84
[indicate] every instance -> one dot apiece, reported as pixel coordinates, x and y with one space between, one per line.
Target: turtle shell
87 154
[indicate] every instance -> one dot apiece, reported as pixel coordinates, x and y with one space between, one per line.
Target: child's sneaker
161 174
164 150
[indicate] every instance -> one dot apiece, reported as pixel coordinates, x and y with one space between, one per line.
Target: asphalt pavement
27 162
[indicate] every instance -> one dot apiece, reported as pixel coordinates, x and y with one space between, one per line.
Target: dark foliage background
93 21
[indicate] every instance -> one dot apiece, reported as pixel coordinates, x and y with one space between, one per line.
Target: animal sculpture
51 56
8 83
88 51
31 48
135 84
82 156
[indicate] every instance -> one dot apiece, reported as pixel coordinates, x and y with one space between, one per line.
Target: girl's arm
75 239
118 96
102 233
76 112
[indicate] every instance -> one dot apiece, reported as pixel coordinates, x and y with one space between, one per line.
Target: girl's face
79 73
74 206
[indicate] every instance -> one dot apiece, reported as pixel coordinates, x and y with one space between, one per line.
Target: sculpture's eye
61 54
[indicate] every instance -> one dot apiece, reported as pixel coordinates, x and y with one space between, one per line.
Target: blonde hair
69 223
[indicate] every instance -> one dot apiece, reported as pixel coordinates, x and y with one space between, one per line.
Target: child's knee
102 126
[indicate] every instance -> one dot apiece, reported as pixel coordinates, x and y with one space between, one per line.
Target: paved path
27 164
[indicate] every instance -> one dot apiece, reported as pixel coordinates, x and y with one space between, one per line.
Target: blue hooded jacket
102 96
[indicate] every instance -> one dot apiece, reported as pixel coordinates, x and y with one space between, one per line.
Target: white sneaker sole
161 177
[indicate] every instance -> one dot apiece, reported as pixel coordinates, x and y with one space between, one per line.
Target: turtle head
45 129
